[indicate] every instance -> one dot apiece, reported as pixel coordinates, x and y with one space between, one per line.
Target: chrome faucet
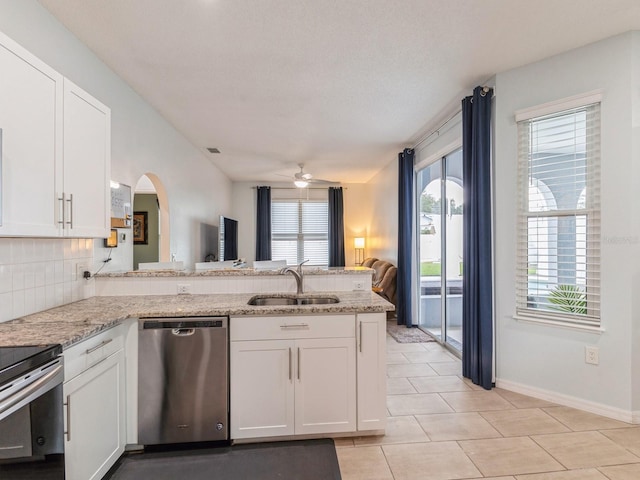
297 273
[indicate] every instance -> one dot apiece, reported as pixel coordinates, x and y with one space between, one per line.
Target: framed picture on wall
140 228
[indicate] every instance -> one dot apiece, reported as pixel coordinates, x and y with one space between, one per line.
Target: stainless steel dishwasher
183 380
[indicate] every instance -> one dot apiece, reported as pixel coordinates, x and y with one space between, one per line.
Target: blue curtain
336 227
404 304
263 224
477 305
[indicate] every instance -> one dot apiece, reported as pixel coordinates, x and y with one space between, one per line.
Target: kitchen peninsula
295 371
75 322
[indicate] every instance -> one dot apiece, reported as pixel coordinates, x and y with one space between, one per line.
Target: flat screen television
228 240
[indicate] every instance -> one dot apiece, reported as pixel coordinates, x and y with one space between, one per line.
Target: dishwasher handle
183 332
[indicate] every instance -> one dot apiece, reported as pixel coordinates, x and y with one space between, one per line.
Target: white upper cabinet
31 123
56 150
87 153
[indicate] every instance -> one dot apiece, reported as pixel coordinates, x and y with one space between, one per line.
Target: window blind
299 231
558 242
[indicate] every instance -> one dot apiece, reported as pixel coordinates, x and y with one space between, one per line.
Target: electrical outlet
80 269
358 285
184 288
591 355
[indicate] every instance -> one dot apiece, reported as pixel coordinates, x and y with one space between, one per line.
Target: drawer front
291 327
88 352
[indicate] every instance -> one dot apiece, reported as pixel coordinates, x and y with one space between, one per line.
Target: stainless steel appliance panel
31 415
183 380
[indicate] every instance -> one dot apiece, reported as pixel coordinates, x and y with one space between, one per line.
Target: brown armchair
369 261
384 278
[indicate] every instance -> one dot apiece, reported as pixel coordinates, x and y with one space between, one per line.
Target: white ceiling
340 85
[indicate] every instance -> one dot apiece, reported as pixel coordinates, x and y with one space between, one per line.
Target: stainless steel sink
264 300
317 300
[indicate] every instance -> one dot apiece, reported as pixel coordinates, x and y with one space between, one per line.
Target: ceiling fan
302 179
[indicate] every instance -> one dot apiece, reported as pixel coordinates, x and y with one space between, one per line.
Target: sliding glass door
440 249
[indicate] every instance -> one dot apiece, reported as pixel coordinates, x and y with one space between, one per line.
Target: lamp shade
358 242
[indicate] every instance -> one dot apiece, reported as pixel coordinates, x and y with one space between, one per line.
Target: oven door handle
31 392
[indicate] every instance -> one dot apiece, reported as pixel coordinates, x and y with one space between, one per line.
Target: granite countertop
233 272
77 321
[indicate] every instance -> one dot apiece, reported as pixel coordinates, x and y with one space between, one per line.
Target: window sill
559 324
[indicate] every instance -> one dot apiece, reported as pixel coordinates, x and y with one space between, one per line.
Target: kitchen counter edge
232 272
77 321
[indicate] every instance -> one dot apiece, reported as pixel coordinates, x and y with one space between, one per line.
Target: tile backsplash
40 273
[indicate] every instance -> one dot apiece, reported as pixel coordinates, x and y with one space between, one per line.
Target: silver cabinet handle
68 405
61 212
360 335
70 200
294 325
100 345
299 364
289 363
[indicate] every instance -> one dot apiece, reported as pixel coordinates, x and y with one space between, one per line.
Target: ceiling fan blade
319 180
302 179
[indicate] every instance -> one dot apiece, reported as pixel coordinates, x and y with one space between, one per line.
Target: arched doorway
150 198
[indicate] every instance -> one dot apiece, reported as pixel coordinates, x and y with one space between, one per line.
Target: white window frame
589 215
300 236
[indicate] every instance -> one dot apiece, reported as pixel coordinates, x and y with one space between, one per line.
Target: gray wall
141 140
548 360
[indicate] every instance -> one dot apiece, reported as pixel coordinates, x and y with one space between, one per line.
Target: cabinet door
325 385
95 419
371 359
262 388
87 152
30 119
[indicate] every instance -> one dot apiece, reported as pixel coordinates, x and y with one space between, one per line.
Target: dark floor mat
303 460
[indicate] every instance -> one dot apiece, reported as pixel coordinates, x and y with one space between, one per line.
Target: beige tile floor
441 426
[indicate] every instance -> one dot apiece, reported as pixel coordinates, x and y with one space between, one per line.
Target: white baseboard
628 416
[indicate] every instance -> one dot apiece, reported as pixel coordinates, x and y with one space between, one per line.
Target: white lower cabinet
262 388
325 400
95 428
292 375
372 371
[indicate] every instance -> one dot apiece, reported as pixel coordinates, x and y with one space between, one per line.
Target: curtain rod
435 131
